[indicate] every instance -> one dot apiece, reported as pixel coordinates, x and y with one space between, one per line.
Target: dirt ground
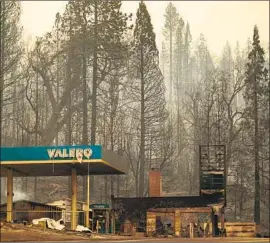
20 232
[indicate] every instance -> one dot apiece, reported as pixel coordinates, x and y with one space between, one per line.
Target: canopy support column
107 226
74 199
9 195
87 202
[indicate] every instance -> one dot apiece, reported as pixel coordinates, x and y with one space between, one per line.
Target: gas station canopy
59 160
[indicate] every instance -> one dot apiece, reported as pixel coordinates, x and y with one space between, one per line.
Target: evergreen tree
148 87
171 23
187 53
179 54
239 71
204 59
163 58
226 65
254 84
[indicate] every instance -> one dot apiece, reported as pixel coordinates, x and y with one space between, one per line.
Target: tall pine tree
148 87
179 50
187 52
254 84
171 23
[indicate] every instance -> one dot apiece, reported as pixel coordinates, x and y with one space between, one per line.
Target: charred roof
144 203
32 203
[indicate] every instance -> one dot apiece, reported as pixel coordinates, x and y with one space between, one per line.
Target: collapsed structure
26 211
151 214
185 216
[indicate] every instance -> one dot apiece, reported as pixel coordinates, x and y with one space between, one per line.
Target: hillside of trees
96 78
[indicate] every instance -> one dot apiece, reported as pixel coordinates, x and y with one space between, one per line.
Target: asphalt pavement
163 241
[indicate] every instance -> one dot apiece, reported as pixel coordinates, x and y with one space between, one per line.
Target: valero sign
70 153
50 153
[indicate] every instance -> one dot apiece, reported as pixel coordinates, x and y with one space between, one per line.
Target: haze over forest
150 81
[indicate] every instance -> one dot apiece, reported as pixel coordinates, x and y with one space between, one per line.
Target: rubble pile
42 229
50 223
81 228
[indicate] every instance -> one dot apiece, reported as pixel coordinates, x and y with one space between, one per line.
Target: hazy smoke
20 196
17 197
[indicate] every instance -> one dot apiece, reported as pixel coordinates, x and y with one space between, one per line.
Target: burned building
24 210
65 205
185 216
150 212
